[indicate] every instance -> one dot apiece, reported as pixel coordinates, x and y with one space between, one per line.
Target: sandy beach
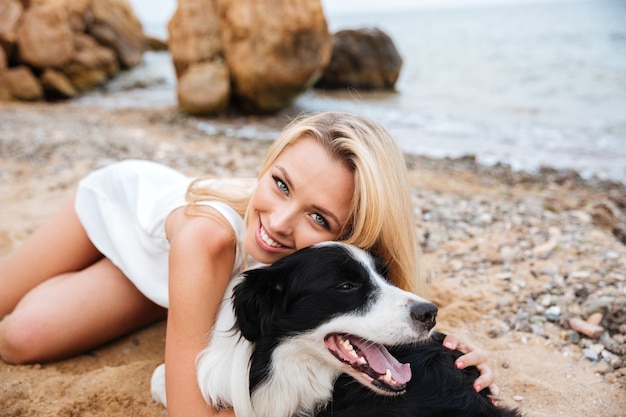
509 257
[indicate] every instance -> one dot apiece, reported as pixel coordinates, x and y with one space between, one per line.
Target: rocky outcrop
196 50
362 59
256 54
56 48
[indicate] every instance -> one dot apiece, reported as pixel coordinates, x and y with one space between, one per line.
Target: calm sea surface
531 85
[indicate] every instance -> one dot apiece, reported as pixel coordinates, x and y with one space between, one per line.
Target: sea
529 85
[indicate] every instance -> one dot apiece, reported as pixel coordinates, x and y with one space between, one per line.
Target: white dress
123 208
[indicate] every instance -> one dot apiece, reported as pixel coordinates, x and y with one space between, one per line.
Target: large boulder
362 59
3 60
5 87
65 46
267 51
44 36
10 13
204 86
194 34
92 63
116 26
196 49
274 50
22 84
57 84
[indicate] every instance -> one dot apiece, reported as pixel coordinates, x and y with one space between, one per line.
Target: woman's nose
282 221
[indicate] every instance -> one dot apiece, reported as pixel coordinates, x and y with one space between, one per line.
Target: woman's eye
281 185
319 219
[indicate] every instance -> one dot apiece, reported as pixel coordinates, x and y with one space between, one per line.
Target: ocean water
528 85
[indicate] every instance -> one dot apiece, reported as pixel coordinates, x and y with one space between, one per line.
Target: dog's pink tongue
380 360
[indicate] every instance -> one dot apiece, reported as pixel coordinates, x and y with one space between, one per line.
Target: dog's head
333 303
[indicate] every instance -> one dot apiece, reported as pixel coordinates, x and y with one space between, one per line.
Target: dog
437 389
286 332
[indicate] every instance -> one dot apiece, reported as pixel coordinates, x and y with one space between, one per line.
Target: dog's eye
347 286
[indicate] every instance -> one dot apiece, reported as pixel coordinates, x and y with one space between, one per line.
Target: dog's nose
425 313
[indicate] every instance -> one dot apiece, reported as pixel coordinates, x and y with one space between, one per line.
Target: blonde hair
381 219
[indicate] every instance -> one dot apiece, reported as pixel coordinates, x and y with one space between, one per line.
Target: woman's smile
263 239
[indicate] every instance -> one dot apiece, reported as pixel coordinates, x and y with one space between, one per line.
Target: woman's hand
473 356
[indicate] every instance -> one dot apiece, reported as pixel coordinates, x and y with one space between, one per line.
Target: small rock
555 232
553 314
599 305
507 253
590 354
550 269
545 300
611 358
546 249
539 330
456 265
595 319
612 344
597 347
538 319
571 336
585 328
485 218
504 276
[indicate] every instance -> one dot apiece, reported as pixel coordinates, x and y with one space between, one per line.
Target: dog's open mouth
371 360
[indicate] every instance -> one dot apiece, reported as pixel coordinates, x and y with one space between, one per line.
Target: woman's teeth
269 241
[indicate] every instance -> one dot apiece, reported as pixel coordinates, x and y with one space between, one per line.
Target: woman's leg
60 245
59 296
74 312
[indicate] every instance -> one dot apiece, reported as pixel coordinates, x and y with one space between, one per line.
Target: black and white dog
286 332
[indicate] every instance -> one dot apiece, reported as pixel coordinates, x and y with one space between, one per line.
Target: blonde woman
140 241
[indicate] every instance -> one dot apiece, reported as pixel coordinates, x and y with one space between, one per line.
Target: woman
141 241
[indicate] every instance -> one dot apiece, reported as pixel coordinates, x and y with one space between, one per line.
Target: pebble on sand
590 330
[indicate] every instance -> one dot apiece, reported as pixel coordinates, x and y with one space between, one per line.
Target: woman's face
304 198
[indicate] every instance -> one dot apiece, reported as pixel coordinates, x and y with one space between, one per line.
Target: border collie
285 333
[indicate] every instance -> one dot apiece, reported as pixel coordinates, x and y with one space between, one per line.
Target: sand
496 244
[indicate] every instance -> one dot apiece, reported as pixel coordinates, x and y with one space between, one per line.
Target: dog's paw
157 385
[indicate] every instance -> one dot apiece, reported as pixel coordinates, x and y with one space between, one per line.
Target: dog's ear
256 301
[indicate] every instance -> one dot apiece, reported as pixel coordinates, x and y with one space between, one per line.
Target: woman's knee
21 339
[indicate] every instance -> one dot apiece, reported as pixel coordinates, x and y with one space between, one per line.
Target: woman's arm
202 254
473 356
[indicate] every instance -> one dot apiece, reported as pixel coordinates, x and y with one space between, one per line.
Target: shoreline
233 127
510 258
524 140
